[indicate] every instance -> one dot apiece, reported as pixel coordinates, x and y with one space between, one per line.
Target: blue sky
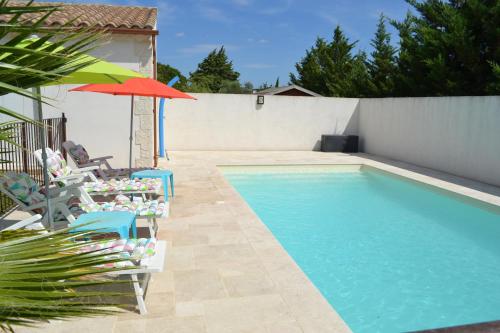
263 38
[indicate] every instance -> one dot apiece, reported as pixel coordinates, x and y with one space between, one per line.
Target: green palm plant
27 62
42 275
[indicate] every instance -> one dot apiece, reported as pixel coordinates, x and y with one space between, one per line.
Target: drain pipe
155 140
161 117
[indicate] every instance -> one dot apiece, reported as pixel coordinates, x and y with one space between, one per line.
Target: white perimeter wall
236 122
458 135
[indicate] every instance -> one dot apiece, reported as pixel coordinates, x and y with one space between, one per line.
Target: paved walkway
225 270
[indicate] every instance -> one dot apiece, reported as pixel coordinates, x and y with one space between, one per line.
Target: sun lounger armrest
103 158
24 223
69 177
156 263
54 192
86 169
92 164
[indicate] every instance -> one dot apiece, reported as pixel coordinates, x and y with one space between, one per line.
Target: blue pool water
390 255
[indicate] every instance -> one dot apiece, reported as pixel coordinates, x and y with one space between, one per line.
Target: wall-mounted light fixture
260 100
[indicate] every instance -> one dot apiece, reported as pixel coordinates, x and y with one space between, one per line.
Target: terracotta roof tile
101 16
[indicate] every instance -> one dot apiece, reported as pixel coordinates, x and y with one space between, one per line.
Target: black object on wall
339 143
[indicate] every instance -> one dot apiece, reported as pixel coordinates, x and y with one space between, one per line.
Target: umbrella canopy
99 71
135 87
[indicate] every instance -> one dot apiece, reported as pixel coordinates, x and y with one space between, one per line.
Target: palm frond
42 277
27 62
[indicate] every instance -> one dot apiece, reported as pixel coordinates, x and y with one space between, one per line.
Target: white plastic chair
103 168
72 175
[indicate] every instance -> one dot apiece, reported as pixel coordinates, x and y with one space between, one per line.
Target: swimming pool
389 254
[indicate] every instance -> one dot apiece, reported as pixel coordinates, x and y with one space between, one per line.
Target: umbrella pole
131 138
37 105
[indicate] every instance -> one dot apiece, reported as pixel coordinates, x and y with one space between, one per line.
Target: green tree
234 87
330 69
340 78
277 83
382 66
311 70
264 86
359 78
248 87
167 73
449 48
214 70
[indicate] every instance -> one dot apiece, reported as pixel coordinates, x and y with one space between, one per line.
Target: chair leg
151 227
108 166
139 294
66 212
86 198
102 174
134 229
172 184
164 180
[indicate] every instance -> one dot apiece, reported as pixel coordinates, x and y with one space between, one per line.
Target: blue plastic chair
119 222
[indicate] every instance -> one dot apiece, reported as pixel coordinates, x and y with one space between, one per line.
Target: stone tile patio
225 270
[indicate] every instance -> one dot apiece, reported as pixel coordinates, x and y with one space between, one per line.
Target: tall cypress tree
338 65
450 48
214 71
330 69
382 66
310 69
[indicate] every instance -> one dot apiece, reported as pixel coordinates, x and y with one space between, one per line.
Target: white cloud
180 34
281 7
204 48
213 14
260 41
329 18
165 12
259 66
241 3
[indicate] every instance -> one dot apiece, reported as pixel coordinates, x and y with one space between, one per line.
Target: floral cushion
139 207
57 164
122 172
79 154
23 187
124 185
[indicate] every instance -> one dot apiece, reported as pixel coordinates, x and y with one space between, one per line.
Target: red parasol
135 87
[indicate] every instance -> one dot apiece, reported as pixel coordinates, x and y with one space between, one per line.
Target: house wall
236 122
101 122
457 135
293 92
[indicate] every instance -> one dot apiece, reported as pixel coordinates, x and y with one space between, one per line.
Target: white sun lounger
154 264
